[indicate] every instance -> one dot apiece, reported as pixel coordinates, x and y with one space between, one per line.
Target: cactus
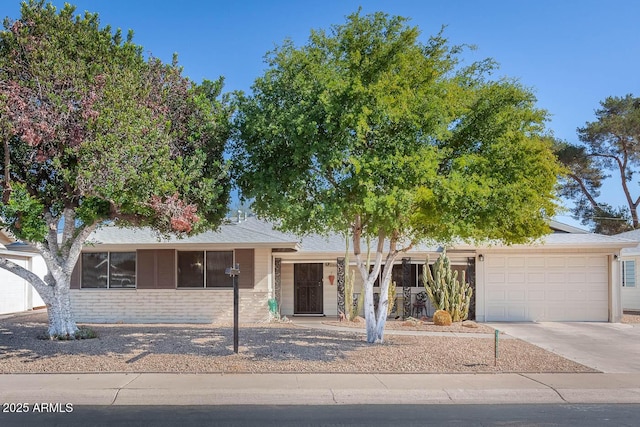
444 289
351 311
392 297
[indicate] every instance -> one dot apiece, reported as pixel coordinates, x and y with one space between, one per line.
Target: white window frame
629 274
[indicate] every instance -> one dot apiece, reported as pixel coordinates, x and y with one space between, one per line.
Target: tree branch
622 168
583 187
52 234
49 259
42 288
68 230
76 246
356 232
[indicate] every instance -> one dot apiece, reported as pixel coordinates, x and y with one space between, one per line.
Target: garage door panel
536 277
535 295
576 277
537 312
516 262
546 288
514 278
597 296
517 313
556 277
579 296
497 295
497 277
497 313
554 262
600 261
556 295
576 262
596 277
535 262
517 295
496 261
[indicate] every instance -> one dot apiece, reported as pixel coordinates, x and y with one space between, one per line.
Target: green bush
84 333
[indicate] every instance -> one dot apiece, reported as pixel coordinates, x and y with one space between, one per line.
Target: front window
109 270
217 263
191 269
397 274
122 270
192 266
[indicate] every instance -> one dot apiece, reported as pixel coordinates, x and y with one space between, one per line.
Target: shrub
83 333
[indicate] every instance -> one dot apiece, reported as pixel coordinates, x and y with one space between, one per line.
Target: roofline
99 247
18 254
583 246
561 226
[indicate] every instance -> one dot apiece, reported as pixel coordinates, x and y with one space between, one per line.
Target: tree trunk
383 304
634 216
55 287
369 278
54 291
369 312
61 320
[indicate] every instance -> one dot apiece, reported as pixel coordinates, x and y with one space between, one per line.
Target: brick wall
166 305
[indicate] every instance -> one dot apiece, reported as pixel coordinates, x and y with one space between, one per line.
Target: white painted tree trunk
375 322
61 319
369 313
383 303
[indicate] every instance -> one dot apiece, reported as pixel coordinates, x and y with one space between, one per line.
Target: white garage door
13 291
546 288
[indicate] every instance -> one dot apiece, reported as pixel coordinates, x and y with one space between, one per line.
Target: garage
15 291
546 287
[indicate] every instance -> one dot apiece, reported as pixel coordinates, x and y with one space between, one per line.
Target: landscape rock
442 318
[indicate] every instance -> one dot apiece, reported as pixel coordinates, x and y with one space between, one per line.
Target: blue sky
573 54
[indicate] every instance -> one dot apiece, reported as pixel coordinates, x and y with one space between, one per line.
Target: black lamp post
233 272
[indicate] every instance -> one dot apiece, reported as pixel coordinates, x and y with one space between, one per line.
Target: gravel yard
268 347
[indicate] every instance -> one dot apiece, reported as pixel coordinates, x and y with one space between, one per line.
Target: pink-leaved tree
94 131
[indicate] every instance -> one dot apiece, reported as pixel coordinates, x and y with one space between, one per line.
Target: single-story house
133 275
629 279
16 294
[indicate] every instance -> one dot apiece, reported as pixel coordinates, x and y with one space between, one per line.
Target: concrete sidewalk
317 389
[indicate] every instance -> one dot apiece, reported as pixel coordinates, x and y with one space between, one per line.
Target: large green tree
609 147
367 131
93 131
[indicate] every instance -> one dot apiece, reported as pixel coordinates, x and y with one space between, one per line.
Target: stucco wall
631 295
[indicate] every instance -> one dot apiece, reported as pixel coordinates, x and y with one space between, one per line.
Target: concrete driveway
607 347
